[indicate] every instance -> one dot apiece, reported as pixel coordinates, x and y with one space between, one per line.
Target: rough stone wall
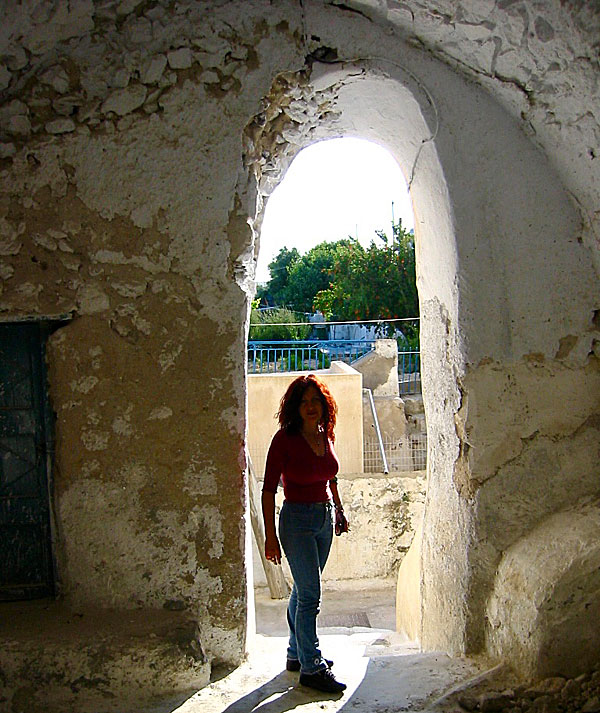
548 583
118 182
380 368
384 511
131 163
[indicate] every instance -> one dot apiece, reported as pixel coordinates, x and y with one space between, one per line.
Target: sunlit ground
384 672
382 677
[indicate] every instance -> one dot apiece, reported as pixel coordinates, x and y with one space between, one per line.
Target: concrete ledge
54 658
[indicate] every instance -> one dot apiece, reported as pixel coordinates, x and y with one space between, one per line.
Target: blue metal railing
270 357
409 372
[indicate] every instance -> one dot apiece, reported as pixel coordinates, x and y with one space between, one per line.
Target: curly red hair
289 408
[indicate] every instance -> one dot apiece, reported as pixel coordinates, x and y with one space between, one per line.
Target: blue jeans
305 532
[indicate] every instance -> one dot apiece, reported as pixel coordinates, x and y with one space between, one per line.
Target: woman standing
302 455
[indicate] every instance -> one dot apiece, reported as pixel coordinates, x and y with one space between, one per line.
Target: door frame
44 328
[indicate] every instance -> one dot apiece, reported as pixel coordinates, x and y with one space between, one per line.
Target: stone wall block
120 78
160 28
209 76
129 289
125 7
14 119
10 237
5 77
16 58
543 29
125 123
139 32
67 105
89 111
92 299
546 584
64 21
153 70
45 241
60 126
168 79
7 150
64 246
180 59
156 13
379 368
57 78
6 271
473 32
151 104
124 101
13 108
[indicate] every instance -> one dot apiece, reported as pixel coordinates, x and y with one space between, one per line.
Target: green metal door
25 550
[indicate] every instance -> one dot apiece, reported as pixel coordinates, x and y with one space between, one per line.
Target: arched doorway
406 129
467 201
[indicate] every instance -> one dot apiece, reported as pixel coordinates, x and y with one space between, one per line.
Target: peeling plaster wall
118 182
137 139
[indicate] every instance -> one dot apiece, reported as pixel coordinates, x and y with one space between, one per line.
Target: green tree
377 282
274 293
296 279
310 274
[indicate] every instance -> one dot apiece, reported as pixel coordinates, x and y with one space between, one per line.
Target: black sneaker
294 664
322 680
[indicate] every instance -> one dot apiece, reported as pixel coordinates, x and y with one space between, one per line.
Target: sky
333 189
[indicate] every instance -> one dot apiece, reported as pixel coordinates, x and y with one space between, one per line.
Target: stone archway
441 150
367 101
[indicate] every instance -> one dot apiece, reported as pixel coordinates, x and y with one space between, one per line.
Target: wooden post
278 586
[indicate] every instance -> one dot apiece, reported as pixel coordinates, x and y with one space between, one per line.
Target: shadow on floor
405 683
384 684
286 695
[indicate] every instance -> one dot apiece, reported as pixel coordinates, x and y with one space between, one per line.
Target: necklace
315 441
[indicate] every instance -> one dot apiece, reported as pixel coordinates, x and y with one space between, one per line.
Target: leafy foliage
346 281
296 278
274 293
311 273
408 337
378 282
274 328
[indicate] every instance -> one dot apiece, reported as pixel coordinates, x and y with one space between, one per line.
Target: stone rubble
551 695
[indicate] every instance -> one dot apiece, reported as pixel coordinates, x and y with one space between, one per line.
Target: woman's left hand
341 523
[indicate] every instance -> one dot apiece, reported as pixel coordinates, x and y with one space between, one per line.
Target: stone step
59 659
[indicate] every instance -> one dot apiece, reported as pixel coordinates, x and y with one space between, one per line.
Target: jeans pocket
295 521
300 520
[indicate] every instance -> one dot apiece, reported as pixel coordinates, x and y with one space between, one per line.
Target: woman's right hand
272 549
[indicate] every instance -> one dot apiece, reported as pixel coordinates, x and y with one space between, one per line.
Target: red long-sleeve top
304 474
